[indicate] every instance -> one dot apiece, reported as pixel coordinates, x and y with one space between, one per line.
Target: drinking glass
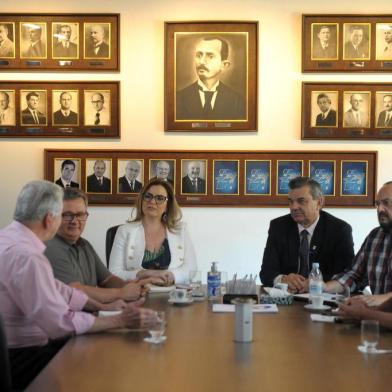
223 284
369 335
158 329
195 283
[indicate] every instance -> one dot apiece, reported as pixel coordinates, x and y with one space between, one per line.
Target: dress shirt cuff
78 300
278 279
82 322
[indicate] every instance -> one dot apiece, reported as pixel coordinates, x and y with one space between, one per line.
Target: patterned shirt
372 264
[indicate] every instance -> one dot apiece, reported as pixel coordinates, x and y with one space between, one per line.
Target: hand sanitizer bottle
213 281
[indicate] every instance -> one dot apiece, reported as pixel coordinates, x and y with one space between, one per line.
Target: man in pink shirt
37 309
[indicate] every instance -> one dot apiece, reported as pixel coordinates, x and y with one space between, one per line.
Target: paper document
272 308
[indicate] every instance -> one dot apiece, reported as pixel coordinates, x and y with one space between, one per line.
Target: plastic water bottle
213 281
315 281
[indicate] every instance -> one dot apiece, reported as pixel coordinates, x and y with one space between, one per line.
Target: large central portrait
211 76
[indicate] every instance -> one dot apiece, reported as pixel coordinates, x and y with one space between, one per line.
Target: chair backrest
110 234
5 370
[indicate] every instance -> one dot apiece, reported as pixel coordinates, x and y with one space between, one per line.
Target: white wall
233 236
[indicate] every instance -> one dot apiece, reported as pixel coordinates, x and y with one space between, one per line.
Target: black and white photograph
97 108
131 174
65 40
7 40
164 169
97 40
356 38
383 118
384 41
325 39
324 109
67 172
99 175
356 109
33 107
7 107
33 40
65 106
194 176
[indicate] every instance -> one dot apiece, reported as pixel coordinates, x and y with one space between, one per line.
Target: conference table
289 352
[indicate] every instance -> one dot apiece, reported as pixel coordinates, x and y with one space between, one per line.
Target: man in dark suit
65 116
31 115
327 117
96 46
162 172
356 48
64 48
323 47
67 171
385 117
192 183
208 98
97 182
128 183
305 236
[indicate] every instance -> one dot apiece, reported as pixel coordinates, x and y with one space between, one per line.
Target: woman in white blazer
155 244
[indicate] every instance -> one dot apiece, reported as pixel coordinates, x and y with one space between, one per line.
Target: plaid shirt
372 264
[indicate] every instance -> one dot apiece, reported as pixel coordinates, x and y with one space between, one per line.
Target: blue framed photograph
257 177
226 177
286 171
324 173
354 178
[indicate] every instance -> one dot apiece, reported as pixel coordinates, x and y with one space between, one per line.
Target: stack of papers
219 308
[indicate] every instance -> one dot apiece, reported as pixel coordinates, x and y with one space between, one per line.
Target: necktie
131 185
358 119
35 116
194 185
1 118
207 104
100 181
67 185
304 254
97 118
323 116
387 118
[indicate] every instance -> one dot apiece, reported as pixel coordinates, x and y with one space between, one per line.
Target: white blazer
129 246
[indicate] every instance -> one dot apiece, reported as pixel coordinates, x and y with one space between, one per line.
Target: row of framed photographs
339 43
59 41
214 178
346 110
66 109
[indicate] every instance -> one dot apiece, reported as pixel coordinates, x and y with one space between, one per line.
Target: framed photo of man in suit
164 169
67 172
285 171
7 40
65 106
65 40
193 176
7 108
356 109
97 108
33 40
211 80
324 109
354 178
356 39
384 41
99 175
130 175
383 109
325 38
97 41
33 108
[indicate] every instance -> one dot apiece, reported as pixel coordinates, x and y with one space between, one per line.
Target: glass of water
195 283
369 335
158 329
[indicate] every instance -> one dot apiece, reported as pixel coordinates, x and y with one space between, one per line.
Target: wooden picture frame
352 111
346 43
217 93
60 42
225 178
60 109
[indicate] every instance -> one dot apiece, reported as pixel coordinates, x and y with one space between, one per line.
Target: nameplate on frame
34 130
324 132
357 132
199 125
4 62
96 130
324 64
386 132
222 125
65 63
386 64
33 63
95 63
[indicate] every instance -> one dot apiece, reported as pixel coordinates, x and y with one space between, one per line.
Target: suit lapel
315 243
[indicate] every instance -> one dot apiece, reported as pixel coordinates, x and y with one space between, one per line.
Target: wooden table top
289 352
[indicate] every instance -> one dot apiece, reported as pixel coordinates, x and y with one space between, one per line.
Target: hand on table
297 283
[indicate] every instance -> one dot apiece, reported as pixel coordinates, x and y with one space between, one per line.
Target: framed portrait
130 173
352 111
230 178
211 76
33 108
354 178
164 169
193 176
98 175
226 177
346 43
7 108
7 40
59 109
67 172
286 171
257 177
59 42
65 40
65 107
324 173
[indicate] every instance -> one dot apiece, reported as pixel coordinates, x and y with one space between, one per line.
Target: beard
386 225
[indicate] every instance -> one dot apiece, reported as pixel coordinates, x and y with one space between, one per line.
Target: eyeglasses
384 202
68 217
159 199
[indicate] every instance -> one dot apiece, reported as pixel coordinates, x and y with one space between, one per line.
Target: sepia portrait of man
383 41
324 108
325 39
97 107
7 40
356 106
33 40
33 107
7 107
65 106
356 38
97 40
383 109
65 41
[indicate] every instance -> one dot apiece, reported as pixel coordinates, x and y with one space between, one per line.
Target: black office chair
110 234
5 370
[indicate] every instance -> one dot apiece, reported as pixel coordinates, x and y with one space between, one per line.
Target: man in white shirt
7 113
99 115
